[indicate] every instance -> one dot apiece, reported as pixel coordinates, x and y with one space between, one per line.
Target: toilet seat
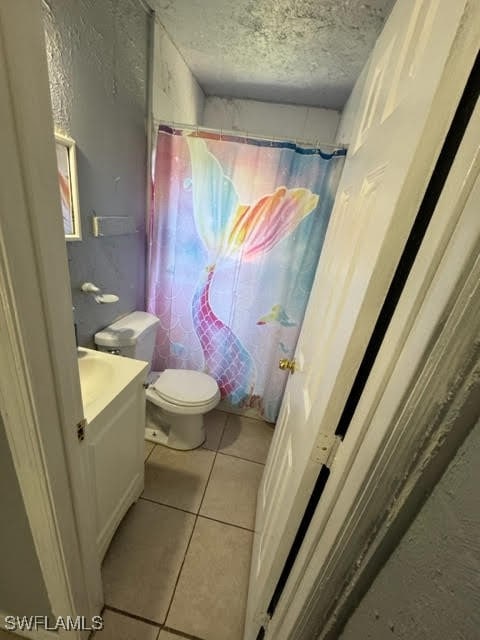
184 391
185 388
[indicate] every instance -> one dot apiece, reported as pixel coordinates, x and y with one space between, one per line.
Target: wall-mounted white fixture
113 225
98 296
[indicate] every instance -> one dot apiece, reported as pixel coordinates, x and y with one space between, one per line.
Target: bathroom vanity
114 407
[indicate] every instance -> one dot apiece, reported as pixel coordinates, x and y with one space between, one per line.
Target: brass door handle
285 363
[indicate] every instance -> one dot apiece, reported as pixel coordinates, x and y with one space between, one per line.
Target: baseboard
246 412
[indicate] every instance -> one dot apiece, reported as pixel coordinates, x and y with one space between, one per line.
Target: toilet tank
132 336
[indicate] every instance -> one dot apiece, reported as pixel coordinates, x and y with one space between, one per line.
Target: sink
103 377
95 375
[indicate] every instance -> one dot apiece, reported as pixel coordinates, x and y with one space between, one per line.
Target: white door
403 116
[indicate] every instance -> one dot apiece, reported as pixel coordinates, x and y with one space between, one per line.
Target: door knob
285 363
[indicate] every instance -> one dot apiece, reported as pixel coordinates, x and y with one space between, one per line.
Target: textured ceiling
294 51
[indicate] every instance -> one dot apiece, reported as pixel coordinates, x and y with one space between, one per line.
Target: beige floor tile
144 559
178 478
231 494
148 448
211 594
214 425
119 627
165 635
246 438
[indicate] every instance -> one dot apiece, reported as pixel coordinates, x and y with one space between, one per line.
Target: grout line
180 570
161 627
228 524
211 468
169 506
109 607
181 634
199 515
232 455
225 422
151 451
193 529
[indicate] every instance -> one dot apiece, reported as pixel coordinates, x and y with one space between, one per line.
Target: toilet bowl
181 398
177 399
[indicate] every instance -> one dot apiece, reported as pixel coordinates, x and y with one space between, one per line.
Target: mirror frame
70 146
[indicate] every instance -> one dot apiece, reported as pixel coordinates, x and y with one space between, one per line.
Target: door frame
39 382
417 407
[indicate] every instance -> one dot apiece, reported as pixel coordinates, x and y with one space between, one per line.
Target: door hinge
81 429
325 448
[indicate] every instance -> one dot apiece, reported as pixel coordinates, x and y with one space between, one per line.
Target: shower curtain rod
246 134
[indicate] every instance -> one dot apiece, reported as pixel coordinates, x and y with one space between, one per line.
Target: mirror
67 179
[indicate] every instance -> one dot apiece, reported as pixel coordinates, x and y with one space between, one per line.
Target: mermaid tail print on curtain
225 225
234 240
227 229
226 359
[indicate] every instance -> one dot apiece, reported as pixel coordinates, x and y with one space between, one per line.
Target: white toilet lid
185 387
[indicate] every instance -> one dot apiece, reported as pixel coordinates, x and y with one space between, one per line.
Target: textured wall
97 57
430 585
270 119
177 96
22 589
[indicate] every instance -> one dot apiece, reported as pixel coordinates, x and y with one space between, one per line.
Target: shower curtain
235 235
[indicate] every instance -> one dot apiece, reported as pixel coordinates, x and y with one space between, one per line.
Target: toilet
179 397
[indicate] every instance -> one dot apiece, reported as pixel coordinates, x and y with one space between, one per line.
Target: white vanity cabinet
114 407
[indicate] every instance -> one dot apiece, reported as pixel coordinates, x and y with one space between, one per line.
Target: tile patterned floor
178 565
